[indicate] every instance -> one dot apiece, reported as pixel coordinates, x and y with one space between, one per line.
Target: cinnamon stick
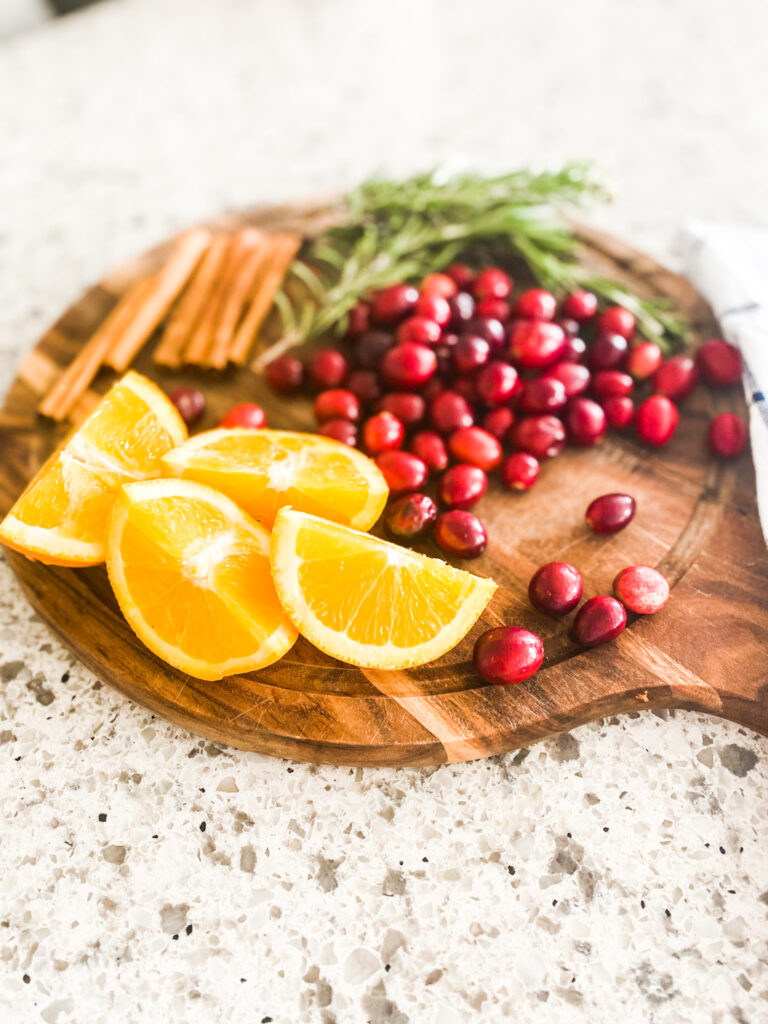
233 304
285 248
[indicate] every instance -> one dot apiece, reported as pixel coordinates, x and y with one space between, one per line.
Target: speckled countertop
618 873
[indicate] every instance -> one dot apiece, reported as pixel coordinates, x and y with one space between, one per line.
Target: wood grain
697 521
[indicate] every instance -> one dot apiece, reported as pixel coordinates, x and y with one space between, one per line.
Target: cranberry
575 349
475 446
461 534
641 589
585 421
536 304
433 308
408 365
462 486
419 329
610 513
403 471
407 406
470 353
599 620
555 588
507 654
616 320
461 275
491 329
543 394
439 286
496 382
465 386
609 383
619 411
434 387
327 368
431 448
608 352
371 347
494 309
285 375
571 327
542 436
491 283
520 471
246 415
498 421
364 384
719 362
382 432
391 304
340 430
581 305
644 360
450 411
462 308
727 435
337 404
190 404
536 343
358 320
411 516
574 377
676 378
656 420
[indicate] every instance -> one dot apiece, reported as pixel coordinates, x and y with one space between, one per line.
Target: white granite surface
619 873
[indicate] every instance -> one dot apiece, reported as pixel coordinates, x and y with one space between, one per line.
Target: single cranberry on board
496 383
461 274
327 368
491 283
555 588
419 329
382 432
462 309
476 446
570 326
439 285
676 378
460 534
391 304
403 471
585 422
599 620
408 365
340 430
409 407
190 404
370 348
246 415
285 375
643 360
434 308
520 471
536 304
337 404
641 589
719 362
616 320
358 320
496 309
534 344
507 654
470 353
656 420
610 513
609 383
608 352
430 447
574 377
542 436
498 421
411 516
619 411
364 384
727 435
450 411
462 486
490 328
543 394
575 350
581 305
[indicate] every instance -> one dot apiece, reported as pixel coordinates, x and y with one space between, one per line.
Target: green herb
392 231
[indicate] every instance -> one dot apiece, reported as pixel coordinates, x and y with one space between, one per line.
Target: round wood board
696 521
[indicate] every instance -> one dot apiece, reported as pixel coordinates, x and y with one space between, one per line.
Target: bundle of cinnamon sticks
213 293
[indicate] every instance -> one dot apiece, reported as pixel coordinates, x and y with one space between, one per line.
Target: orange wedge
366 601
262 470
190 571
62 516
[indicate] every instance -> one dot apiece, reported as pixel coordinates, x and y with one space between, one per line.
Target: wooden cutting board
696 521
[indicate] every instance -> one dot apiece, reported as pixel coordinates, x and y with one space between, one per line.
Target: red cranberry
494 309
616 320
520 471
327 368
364 384
462 486
676 378
470 353
608 352
434 387
461 534
575 350
619 411
450 411
555 588
371 347
574 377
599 620
465 386
462 309
641 589
491 283
491 329
656 420
285 375
727 435
585 421
403 471
439 285
461 275
408 365
336 404
496 382
498 421
507 654
391 304
418 329
358 320
190 404
246 415
581 305
610 513
407 406
609 383
542 436
430 447
475 446
719 362
644 360
411 516
536 343
433 308
340 430
536 304
571 327
382 432
543 394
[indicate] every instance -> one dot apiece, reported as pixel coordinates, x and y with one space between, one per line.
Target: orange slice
262 470
190 571
366 601
62 516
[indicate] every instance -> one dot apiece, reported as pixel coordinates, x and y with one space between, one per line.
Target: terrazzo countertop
617 873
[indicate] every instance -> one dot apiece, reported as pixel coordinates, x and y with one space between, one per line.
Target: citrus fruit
366 601
190 571
262 470
62 516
